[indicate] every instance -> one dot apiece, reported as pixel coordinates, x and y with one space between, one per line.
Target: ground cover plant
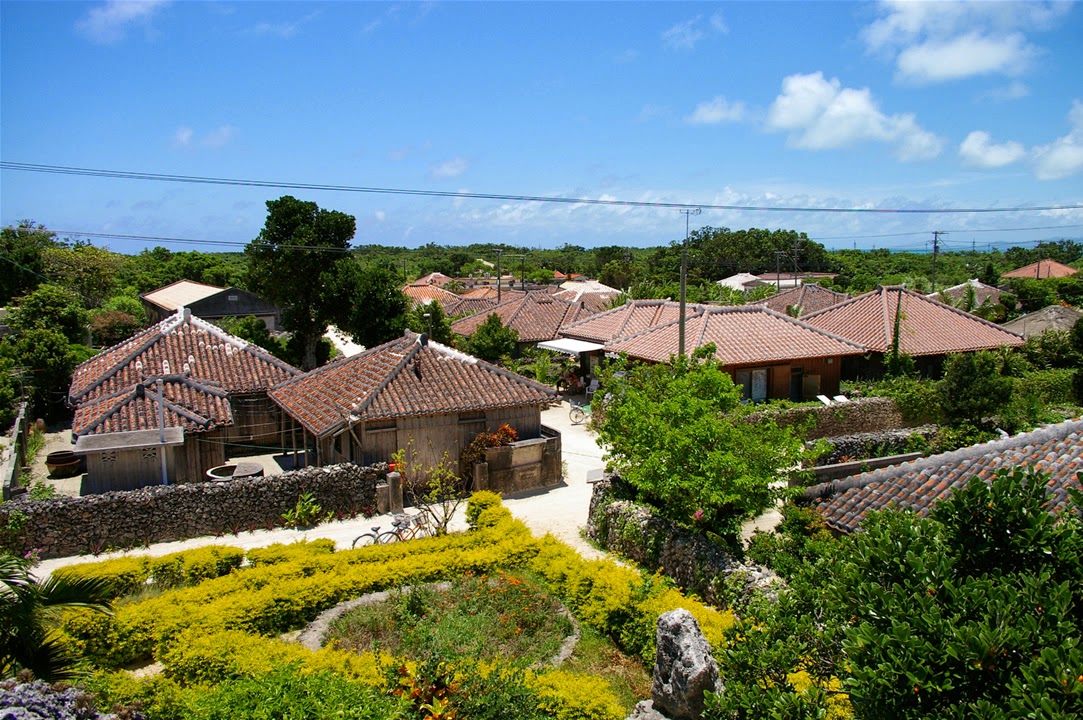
476 616
223 641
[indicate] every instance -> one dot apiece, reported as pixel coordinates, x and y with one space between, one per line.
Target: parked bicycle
403 527
579 413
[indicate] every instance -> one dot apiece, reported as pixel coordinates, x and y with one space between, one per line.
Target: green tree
436 325
296 262
976 611
492 341
22 248
373 305
29 610
44 360
111 327
88 270
9 392
675 434
51 307
973 388
252 329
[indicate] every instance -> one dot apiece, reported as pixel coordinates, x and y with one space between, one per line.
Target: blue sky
769 104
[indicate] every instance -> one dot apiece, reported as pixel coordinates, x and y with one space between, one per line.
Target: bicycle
579 413
366 539
406 527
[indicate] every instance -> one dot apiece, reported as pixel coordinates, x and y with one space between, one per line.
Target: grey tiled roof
1056 450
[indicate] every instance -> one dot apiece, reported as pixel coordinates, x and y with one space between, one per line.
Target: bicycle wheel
365 540
387 537
577 415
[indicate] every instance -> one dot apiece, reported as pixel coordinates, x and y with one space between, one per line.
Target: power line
204 180
189 241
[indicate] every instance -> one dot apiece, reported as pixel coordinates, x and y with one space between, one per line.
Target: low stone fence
693 562
863 445
862 415
13 455
522 466
162 513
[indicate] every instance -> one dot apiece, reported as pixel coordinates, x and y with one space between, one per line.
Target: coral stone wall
693 562
93 523
857 416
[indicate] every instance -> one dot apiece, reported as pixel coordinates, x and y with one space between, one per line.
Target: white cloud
964 56
1063 156
1014 91
978 151
109 22
687 34
718 110
219 137
943 41
380 215
451 168
285 29
183 136
820 114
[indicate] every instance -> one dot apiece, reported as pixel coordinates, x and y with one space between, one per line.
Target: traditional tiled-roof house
928 330
1052 317
182 373
960 295
586 338
918 485
769 354
209 302
1041 270
368 406
802 300
435 278
594 295
424 294
536 316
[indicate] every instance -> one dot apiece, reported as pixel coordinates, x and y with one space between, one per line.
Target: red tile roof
190 405
424 294
490 292
927 327
919 485
743 335
628 319
468 306
810 298
536 316
179 345
1041 270
436 278
403 378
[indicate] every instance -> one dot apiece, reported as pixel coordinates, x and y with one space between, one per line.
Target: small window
110 456
232 298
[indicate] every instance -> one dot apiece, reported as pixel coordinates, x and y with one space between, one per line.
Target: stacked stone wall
857 416
74 526
693 562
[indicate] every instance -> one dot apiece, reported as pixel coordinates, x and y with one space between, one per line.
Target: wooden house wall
257 421
778 376
431 436
200 453
245 303
128 469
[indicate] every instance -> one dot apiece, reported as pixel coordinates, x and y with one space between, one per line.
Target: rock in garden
683 667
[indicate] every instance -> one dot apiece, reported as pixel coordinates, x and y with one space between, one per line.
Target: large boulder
683 667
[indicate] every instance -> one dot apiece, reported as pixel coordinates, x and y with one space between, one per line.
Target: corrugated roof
403 378
919 485
181 293
927 327
536 316
743 335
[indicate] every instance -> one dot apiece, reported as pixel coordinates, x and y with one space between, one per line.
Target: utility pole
936 251
684 278
498 295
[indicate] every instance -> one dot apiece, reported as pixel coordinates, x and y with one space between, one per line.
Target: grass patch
476 617
596 655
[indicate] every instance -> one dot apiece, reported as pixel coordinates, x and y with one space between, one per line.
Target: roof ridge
1056 431
407 356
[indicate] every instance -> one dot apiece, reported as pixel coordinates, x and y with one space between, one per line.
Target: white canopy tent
569 346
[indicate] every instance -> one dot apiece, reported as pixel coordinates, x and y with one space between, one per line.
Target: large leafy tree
22 249
675 434
297 262
52 307
973 388
29 609
436 325
42 361
492 341
88 270
374 306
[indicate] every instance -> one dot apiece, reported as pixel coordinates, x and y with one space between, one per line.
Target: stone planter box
522 466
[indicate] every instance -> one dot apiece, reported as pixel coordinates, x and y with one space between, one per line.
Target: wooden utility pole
936 251
684 279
